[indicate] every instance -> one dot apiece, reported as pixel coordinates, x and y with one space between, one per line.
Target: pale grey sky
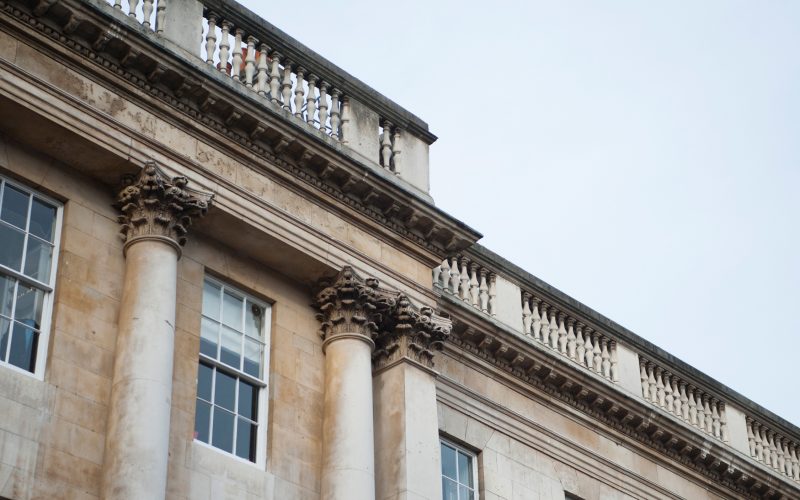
642 157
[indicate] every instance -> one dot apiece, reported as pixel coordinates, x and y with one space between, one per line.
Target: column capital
412 333
351 306
157 207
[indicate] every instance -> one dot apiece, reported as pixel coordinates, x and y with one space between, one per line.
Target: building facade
222 276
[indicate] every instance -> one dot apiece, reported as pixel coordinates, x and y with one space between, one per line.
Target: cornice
481 340
112 48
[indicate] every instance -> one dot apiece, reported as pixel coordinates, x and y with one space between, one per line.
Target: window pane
23 347
204 377
465 493
248 401
5 330
211 293
231 352
29 306
11 248
38 256
252 357
202 417
464 469
223 430
449 489
225 391
209 337
43 220
246 440
232 311
253 319
448 461
6 295
15 207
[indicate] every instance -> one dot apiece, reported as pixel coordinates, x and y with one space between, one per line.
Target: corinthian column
156 213
350 311
406 421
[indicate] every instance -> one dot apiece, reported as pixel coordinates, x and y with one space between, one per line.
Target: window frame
49 288
261 384
473 457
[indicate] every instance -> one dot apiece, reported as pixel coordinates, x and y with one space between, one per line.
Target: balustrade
773 449
468 281
567 335
149 13
684 400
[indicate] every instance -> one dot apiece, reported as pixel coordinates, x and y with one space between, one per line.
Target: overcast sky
642 157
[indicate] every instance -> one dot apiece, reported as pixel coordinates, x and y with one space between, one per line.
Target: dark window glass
38 257
448 461
202 420
223 430
204 378
5 331
43 220
449 489
30 302
248 400
11 249
6 295
23 347
246 440
464 469
209 336
225 391
15 207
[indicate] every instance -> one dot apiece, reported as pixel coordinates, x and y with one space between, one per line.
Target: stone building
287 314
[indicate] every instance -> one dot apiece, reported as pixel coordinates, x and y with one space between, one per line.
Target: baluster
464 280
132 4
211 39
311 99
588 348
765 456
474 286
598 354
751 439
236 64
299 93
455 276
335 114
249 60
781 461
723 422
553 329
645 381
224 47
660 394
286 85
492 294
614 361
692 407
716 426
562 334
651 380
773 452
787 456
263 71
580 346
707 410
323 105
118 4
396 151
445 275
275 78
536 324
386 145
544 325
668 391
484 292
571 339
147 11
526 313
676 395
344 128
161 12
684 402
605 357
701 412
795 463
437 273
759 442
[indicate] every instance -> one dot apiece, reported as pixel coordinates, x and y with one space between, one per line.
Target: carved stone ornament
154 206
410 332
350 305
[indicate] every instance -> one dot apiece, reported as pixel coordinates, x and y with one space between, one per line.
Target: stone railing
474 284
570 337
773 449
290 77
682 399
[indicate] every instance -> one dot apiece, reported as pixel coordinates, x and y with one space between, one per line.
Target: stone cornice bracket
351 307
411 333
157 207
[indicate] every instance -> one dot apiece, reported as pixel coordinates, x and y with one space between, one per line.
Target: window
231 375
458 472
29 228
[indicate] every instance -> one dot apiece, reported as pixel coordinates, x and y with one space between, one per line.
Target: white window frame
473 461
262 384
48 288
